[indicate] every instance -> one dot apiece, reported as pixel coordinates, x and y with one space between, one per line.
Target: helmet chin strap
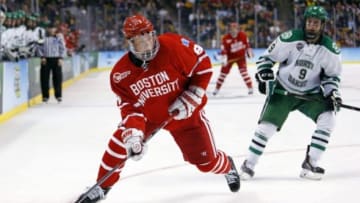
144 64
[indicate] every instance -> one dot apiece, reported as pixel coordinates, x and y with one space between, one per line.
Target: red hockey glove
187 102
134 142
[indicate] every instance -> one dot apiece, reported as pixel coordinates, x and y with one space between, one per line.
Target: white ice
51 153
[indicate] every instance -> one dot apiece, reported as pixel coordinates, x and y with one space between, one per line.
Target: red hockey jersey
145 94
235 47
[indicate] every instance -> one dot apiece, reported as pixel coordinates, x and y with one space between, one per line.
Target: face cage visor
144 46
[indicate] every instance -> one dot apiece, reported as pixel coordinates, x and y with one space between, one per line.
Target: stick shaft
109 173
341 104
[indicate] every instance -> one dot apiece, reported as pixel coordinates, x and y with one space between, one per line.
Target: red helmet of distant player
234 29
141 36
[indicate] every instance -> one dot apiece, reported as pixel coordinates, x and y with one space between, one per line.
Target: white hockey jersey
303 68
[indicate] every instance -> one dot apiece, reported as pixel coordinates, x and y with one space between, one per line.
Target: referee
52 53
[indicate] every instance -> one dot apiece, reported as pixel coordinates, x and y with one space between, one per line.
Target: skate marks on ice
194 187
222 96
269 153
229 91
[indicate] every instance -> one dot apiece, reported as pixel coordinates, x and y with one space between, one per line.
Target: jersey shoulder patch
330 45
292 36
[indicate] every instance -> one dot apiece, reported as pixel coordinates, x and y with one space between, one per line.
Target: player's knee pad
219 165
243 69
326 121
226 69
266 129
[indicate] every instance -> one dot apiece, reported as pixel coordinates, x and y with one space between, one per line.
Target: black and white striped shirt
53 47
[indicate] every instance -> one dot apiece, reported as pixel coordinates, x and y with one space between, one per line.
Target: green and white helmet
316 12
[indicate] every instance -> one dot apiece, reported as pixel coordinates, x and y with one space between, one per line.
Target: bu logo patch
117 77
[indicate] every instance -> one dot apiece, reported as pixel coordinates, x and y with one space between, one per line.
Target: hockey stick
234 60
318 100
109 173
229 61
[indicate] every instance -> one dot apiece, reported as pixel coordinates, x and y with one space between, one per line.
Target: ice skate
96 195
309 171
246 172
59 99
250 91
215 92
232 177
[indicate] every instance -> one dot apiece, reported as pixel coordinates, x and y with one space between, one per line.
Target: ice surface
51 152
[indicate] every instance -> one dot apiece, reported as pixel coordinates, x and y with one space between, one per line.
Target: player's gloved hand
187 102
250 53
333 100
222 58
134 142
263 77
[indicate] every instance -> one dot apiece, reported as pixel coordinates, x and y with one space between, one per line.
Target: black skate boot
309 171
93 196
246 172
232 177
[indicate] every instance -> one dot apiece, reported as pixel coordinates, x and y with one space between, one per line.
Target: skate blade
307 174
244 176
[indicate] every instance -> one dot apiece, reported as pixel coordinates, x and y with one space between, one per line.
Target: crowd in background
264 20
96 25
344 19
23 30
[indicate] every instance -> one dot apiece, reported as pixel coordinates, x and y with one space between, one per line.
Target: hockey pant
243 72
194 138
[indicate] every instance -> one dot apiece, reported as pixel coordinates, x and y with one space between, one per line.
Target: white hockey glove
134 142
187 102
222 58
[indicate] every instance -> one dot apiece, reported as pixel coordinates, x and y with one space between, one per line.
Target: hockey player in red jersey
235 48
157 77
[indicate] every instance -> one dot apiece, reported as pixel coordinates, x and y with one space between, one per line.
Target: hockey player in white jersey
13 38
309 67
33 36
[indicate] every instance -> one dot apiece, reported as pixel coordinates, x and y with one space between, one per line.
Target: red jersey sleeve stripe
132 115
123 104
209 70
200 59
